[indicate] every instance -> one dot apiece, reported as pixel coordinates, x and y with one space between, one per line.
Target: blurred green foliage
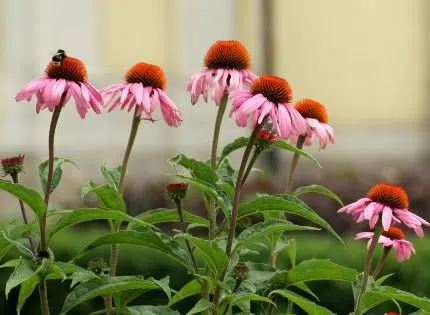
413 275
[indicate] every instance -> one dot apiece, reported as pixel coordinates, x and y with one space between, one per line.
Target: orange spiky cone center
147 74
227 54
71 69
309 108
389 195
275 89
394 233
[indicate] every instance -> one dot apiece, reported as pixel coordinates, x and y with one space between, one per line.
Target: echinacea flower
13 165
316 117
394 238
145 90
225 69
268 96
63 80
264 139
389 202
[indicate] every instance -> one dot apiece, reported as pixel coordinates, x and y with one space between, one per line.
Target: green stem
43 293
299 145
368 265
250 165
113 262
271 307
381 262
221 110
184 230
24 216
236 199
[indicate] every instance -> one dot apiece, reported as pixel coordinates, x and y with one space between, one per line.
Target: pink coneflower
226 70
63 80
394 238
269 96
145 89
316 118
389 201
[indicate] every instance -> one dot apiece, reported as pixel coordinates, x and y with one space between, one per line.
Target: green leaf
282 144
420 312
201 305
379 281
23 271
29 196
289 246
320 269
58 172
226 173
112 175
381 294
215 258
150 310
309 307
220 196
198 169
104 286
88 214
164 285
146 239
27 288
256 231
285 203
231 147
107 196
191 288
19 245
162 215
237 298
318 189
303 286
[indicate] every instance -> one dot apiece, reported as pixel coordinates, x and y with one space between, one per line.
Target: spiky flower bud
265 139
176 191
98 266
240 272
13 166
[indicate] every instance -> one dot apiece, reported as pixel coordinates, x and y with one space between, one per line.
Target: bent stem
299 145
113 261
24 216
217 128
381 262
236 199
368 265
184 230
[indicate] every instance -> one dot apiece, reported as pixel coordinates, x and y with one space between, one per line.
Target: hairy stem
236 200
184 230
381 262
43 293
217 128
24 216
299 145
250 165
113 261
368 265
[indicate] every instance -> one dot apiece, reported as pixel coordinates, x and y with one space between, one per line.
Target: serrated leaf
164 285
201 305
107 196
191 288
23 271
29 196
18 245
104 286
198 169
226 173
319 190
163 215
27 288
285 203
289 246
310 307
112 175
146 239
282 144
215 258
88 214
58 172
233 146
320 269
381 294
261 229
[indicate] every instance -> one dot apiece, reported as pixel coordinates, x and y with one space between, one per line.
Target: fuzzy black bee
58 58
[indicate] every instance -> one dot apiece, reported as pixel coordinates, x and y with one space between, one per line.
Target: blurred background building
367 61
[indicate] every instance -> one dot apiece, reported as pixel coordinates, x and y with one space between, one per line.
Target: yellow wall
365 59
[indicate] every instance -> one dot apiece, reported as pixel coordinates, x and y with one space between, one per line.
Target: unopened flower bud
176 191
243 224
98 266
240 272
265 139
13 166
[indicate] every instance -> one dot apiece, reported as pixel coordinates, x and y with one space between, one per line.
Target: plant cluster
225 277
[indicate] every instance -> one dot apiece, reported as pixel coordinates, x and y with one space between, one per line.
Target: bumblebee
58 58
